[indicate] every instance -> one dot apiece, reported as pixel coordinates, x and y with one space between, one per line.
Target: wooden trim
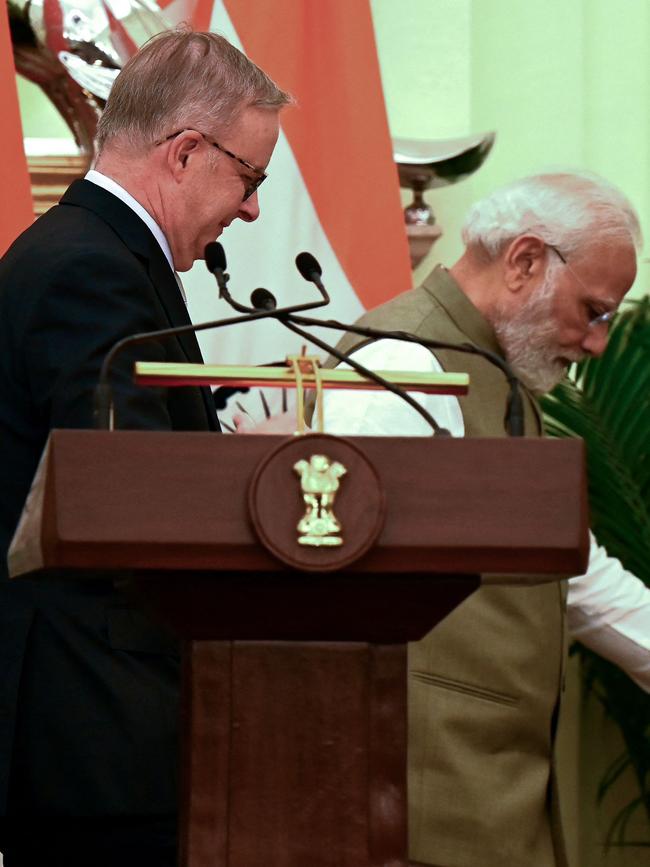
50 177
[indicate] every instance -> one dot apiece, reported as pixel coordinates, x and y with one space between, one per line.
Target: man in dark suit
88 685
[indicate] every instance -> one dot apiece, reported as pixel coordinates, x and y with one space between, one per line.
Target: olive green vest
484 684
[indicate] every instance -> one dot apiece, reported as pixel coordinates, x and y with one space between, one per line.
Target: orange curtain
325 55
16 210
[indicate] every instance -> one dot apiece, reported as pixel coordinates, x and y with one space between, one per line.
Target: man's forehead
255 132
608 267
254 119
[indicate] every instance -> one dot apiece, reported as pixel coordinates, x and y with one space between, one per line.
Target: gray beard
528 340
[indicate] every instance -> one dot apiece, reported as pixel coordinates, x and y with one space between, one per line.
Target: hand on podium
283 423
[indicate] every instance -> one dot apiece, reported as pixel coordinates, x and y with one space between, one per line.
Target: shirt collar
113 187
117 190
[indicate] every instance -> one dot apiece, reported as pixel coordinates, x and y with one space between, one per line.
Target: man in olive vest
547 262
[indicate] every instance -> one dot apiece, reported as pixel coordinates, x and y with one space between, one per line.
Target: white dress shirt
608 608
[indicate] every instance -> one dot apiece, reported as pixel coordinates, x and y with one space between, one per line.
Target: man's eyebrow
608 303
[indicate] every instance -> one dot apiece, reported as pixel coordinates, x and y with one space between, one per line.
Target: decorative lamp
425 164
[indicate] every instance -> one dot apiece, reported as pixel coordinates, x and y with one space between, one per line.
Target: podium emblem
319 482
316 502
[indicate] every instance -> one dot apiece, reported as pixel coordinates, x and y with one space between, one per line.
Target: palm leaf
606 402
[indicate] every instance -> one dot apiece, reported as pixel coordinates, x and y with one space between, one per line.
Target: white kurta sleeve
609 612
377 413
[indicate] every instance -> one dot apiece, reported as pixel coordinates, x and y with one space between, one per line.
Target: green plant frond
633 433
606 402
575 415
614 476
624 535
630 329
598 381
628 394
623 393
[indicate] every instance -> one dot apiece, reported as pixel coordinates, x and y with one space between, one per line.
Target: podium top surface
180 501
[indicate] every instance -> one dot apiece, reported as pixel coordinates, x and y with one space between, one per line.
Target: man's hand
284 423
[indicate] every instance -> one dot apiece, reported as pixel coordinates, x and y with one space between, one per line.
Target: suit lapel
169 293
137 237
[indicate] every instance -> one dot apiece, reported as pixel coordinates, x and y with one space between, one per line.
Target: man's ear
524 261
181 151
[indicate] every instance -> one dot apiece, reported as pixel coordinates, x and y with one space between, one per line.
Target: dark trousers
110 841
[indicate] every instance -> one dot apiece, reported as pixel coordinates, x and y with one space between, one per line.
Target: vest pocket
464 688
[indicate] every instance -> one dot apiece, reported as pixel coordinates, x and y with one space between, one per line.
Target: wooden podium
294 672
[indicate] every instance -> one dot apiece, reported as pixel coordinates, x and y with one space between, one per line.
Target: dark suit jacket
88 685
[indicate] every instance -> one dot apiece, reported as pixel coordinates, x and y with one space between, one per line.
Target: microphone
215 257
308 267
215 260
262 299
264 307
311 271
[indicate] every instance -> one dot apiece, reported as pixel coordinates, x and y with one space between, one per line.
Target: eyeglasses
596 319
251 184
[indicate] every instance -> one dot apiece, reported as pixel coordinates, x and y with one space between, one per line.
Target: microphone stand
286 315
514 418
104 415
310 270
290 323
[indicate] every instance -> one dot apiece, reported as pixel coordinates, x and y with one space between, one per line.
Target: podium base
294 754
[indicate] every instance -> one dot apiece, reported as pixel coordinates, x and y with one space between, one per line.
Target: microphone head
262 299
308 266
215 257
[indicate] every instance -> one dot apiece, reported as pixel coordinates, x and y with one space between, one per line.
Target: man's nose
249 209
595 342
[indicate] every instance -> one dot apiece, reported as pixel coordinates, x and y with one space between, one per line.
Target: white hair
565 209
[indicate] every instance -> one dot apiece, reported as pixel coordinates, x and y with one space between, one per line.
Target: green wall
565 83
39 117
